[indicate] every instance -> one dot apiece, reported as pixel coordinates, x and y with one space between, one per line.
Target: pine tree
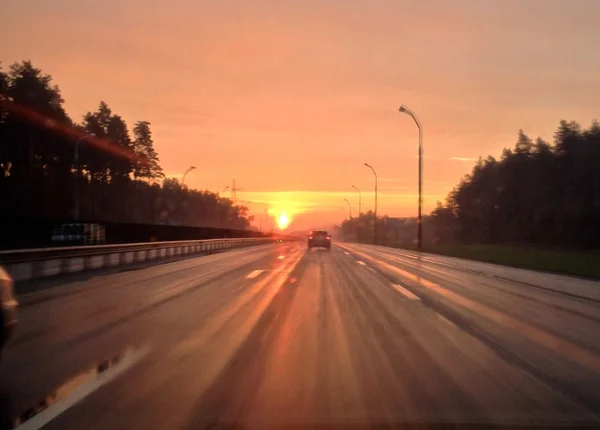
147 166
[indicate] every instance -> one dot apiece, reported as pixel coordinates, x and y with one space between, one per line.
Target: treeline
115 172
537 193
390 231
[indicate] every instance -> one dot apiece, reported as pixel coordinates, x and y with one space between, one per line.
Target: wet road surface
278 336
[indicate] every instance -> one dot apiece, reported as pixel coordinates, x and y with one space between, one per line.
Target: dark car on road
319 238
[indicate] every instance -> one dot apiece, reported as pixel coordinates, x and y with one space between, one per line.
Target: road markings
572 351
254 274
405 292
281 257
446 320
347 253
78 388
362 263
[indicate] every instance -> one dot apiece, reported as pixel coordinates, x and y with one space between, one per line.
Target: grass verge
576 263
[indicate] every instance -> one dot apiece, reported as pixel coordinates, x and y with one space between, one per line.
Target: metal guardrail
19 255
42 262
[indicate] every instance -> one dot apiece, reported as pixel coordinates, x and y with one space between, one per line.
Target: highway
276 336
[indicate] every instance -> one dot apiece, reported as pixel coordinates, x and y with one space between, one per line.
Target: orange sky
290 98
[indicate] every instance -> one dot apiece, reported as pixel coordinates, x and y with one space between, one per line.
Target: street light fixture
186 172
359 200
349 207
76 209
225 189
265 213
404 109
375 222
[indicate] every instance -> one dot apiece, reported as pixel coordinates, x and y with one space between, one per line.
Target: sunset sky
290 98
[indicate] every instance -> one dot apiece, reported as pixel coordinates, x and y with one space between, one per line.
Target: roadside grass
576 263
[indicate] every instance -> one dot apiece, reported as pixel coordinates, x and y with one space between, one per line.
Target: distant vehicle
8 308
79 234
319 238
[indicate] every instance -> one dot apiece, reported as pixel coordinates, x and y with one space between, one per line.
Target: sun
283 221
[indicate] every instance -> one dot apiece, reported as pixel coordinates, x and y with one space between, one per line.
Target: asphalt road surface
280 337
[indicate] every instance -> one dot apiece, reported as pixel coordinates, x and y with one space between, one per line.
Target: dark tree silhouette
119 173
536 193
148 166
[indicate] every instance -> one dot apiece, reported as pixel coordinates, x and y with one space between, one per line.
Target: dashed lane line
405 292
254 274
446 320
77 389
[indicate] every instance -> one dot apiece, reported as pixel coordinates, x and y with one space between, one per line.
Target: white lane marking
405 292
54 410
362 263
347 253
446 320
254 274
281 257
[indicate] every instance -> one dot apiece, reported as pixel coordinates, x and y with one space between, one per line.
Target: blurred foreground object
9 307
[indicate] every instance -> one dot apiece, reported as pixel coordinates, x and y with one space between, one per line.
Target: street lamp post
404 109
349 207
76 208
359 213
375 222
181 205
189 169
359 200
342 232
225 189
